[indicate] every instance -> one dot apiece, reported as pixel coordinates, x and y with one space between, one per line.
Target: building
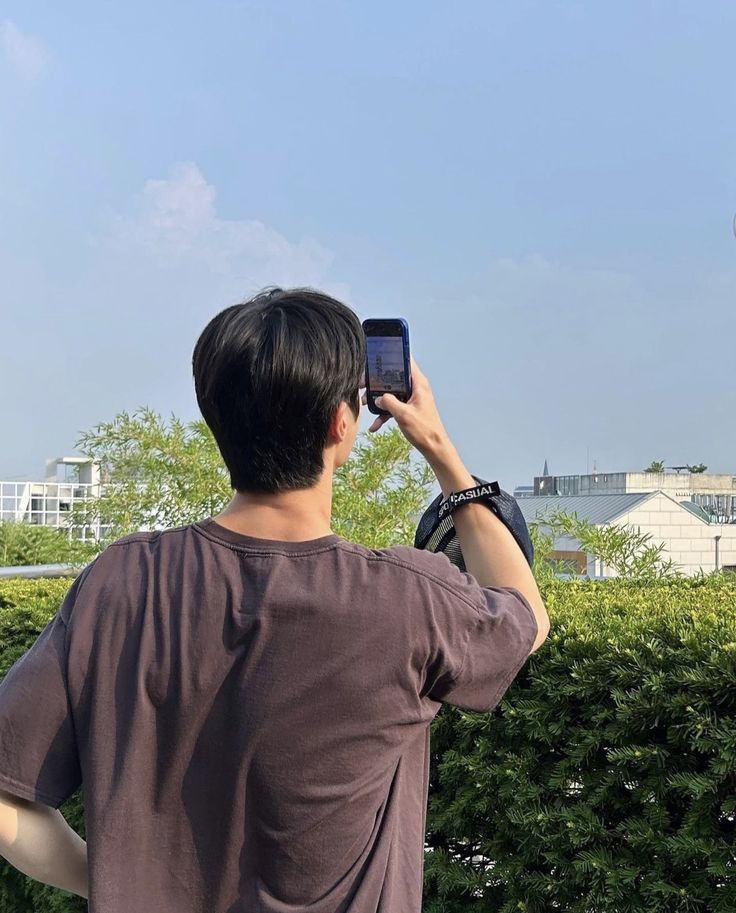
715 493
68 481
692 539
524 491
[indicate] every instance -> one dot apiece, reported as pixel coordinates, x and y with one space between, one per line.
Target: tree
545 568
159 475
23 543
155 475
698 467
656 466
625 550
381 491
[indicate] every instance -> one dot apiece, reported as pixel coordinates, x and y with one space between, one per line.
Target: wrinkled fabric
248 719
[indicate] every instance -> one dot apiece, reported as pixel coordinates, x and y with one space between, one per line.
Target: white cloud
176 224
25 54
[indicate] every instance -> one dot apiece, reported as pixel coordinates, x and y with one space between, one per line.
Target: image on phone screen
386 364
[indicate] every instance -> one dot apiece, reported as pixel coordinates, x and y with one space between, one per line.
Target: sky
545 192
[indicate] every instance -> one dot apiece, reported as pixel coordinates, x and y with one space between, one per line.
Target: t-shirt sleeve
39 759
482 637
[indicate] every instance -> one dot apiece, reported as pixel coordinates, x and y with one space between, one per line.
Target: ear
339 424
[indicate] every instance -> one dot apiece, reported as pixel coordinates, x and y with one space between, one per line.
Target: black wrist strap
480 493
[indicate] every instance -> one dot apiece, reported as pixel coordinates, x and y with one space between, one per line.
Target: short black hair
269 374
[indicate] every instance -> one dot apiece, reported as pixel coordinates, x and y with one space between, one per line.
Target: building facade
714 493
68 481
690 538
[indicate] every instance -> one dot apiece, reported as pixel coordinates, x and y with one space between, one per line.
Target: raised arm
490 551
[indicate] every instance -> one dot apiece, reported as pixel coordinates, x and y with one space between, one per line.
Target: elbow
8 822
539 640
543 627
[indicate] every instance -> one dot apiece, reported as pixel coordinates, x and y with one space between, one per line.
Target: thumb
390 403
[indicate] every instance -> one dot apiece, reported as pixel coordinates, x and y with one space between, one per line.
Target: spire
545 471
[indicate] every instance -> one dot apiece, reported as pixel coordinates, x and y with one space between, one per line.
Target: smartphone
388 366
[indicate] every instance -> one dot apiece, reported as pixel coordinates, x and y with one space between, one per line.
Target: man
247 699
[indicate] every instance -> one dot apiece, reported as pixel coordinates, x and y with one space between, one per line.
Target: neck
293 516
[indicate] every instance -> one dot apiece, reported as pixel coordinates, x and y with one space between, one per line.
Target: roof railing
31 571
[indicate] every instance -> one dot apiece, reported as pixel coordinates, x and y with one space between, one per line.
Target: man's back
252 716
248 714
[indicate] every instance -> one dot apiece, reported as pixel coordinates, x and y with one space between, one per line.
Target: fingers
395 405
391 404
379 422
417 375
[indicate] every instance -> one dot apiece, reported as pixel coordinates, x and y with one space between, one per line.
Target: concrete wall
684 484
689 541
679 485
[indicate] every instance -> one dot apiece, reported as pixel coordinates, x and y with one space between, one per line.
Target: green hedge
605 781
26 607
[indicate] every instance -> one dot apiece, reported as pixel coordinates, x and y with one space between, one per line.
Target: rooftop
593 508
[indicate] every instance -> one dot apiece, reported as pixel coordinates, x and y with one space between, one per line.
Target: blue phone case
372 407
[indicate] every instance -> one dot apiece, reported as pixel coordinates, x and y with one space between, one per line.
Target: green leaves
655 466
605 779
29 543
379 493
160 474
623 549
156 474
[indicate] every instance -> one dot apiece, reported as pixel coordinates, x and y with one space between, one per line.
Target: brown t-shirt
249 718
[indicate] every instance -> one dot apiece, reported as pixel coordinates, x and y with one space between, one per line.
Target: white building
714 492
691 539
68 481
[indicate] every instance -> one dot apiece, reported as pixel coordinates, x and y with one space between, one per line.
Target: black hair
268 375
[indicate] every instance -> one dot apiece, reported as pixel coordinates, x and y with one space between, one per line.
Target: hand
417 418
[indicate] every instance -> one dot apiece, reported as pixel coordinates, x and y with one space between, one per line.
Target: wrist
452 474
441 454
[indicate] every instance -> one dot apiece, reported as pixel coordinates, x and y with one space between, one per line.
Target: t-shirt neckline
214 530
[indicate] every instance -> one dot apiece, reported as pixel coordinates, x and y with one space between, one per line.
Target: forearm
491 553
37 841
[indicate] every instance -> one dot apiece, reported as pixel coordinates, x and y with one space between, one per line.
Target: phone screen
386 364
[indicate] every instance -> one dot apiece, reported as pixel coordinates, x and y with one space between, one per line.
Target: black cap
437 535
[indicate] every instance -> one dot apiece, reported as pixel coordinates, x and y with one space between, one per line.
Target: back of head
268 375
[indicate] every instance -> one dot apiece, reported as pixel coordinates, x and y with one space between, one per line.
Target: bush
26 607
28 543
604 782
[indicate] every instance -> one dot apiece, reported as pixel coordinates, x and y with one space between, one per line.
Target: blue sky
545 191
